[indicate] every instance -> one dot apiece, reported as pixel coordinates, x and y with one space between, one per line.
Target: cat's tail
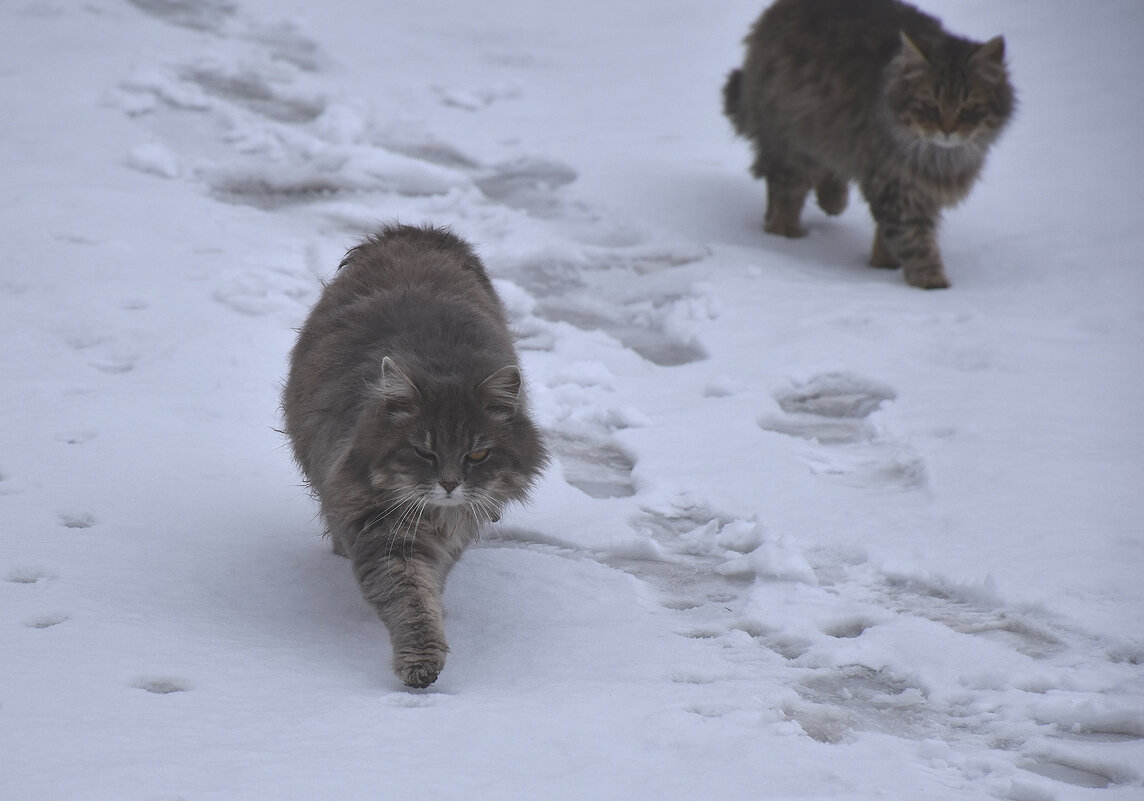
732 94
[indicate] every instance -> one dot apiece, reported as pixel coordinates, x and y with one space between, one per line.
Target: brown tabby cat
406 409
873 90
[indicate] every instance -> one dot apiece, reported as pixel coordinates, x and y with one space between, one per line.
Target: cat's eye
971 116
477 456
428 456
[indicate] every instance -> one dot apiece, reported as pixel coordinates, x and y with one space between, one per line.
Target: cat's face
449 446
952 99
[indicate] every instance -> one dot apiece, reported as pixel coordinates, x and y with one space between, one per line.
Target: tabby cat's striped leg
403 586
906 234
786 194
880 253
832 193
914 241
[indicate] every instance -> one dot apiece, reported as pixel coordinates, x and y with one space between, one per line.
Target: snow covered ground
810 533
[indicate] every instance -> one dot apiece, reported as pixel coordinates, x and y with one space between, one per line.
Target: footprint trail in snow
257 123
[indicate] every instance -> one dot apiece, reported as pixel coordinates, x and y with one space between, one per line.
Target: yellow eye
476 457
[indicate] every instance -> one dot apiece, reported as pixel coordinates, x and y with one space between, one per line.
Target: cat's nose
450 485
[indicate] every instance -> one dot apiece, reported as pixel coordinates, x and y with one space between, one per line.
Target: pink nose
449 485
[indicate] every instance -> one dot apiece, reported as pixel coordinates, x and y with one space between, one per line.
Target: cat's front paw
881 255
792 229
420 667
933 278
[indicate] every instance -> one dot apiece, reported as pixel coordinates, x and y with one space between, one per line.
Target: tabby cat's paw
881 255
927 279
832 195
792 229
420 668
884 262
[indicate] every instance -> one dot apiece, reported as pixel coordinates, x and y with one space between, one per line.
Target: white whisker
485 507
406 524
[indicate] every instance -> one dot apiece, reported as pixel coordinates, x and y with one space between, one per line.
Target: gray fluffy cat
873 90
406 409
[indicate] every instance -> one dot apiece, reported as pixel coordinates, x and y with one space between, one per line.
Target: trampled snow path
785 629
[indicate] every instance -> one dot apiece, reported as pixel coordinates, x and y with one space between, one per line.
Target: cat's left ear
501 391
911 53
992 52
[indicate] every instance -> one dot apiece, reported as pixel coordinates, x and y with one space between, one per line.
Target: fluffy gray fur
407 413
873 90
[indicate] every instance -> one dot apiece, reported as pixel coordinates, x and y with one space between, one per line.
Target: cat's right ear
396 388
990 57
993 50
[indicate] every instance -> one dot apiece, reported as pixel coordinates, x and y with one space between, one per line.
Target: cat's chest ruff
453 526
928 162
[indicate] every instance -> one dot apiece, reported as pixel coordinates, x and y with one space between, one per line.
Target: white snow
810 533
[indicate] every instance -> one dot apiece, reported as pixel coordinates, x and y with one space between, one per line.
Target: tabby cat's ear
992 52
911 54
501 391
396 387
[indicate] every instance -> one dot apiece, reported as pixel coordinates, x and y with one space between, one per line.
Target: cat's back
400 259
814 74
828 54
400 279
835 33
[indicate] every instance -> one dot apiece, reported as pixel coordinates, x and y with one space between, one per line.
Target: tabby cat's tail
732 94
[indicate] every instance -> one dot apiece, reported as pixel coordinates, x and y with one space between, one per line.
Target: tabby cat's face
450 447
954 99
464 462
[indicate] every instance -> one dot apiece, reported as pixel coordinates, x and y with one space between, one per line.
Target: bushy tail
732 93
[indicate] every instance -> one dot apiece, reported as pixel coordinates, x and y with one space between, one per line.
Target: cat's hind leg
789 181
832 193
787 188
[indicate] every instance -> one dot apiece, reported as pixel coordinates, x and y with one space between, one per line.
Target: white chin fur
445 500
946 142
